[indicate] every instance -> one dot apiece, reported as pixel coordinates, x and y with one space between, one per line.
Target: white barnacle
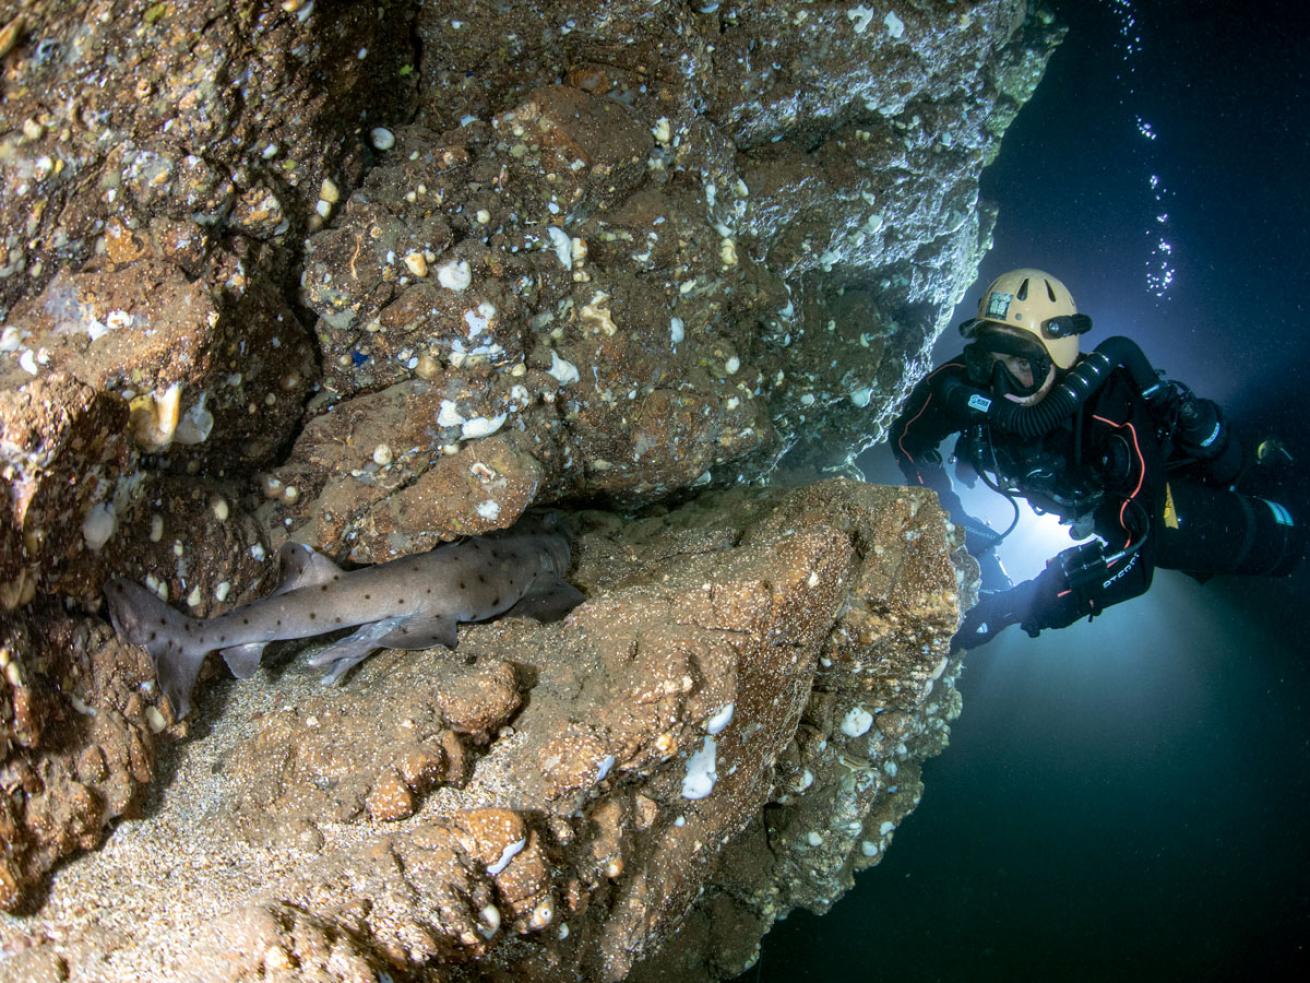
857 722
478 319
455 275
158 586
98 525
597 312
563 246
720 719
450 416
482 426
860 16
196 424
702 773
489 921
562 369
154 417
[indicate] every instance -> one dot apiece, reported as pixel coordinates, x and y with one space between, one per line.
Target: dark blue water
1130 799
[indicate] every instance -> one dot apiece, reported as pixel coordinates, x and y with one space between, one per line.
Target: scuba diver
1120 453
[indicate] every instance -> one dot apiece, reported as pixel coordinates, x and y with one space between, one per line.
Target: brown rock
480 701
389 799
421 768
606 259
485 835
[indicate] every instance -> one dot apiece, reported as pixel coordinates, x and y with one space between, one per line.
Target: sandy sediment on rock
570 787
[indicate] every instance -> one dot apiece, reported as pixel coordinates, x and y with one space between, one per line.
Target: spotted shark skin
411 603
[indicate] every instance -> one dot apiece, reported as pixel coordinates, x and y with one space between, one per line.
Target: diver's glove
994 612
1033 605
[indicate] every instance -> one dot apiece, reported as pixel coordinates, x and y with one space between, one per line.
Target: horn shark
411 603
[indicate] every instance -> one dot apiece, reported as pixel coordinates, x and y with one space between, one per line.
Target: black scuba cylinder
1062 401
1213 530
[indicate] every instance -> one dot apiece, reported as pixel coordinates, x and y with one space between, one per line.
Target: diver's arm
1081 582
923 424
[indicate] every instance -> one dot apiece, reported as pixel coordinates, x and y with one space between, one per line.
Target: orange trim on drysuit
1141 479
900 441
1141 474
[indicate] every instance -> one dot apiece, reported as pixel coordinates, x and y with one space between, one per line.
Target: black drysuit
1114 461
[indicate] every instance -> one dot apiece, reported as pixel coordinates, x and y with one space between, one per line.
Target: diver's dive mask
992 373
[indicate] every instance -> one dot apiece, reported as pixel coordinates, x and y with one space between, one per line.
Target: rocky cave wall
376 276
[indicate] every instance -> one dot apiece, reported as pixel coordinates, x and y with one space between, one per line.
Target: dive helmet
1030 314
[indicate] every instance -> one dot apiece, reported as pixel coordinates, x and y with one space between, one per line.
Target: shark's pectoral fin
549 600
423 632
304 567
344 654
244 660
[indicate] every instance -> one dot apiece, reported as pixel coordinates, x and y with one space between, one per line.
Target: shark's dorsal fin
303 566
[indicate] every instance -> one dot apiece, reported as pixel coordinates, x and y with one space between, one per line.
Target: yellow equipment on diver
1035 303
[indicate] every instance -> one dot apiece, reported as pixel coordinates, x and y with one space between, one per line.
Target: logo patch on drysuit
1171 519
980 403
998 305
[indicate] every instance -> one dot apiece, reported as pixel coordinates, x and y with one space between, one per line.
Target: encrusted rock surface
376 276
560 806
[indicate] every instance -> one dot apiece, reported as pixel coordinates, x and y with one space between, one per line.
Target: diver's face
1020 368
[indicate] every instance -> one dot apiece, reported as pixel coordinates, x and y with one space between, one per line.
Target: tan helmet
1038 304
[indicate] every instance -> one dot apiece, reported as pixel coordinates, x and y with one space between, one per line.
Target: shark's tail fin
143 619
